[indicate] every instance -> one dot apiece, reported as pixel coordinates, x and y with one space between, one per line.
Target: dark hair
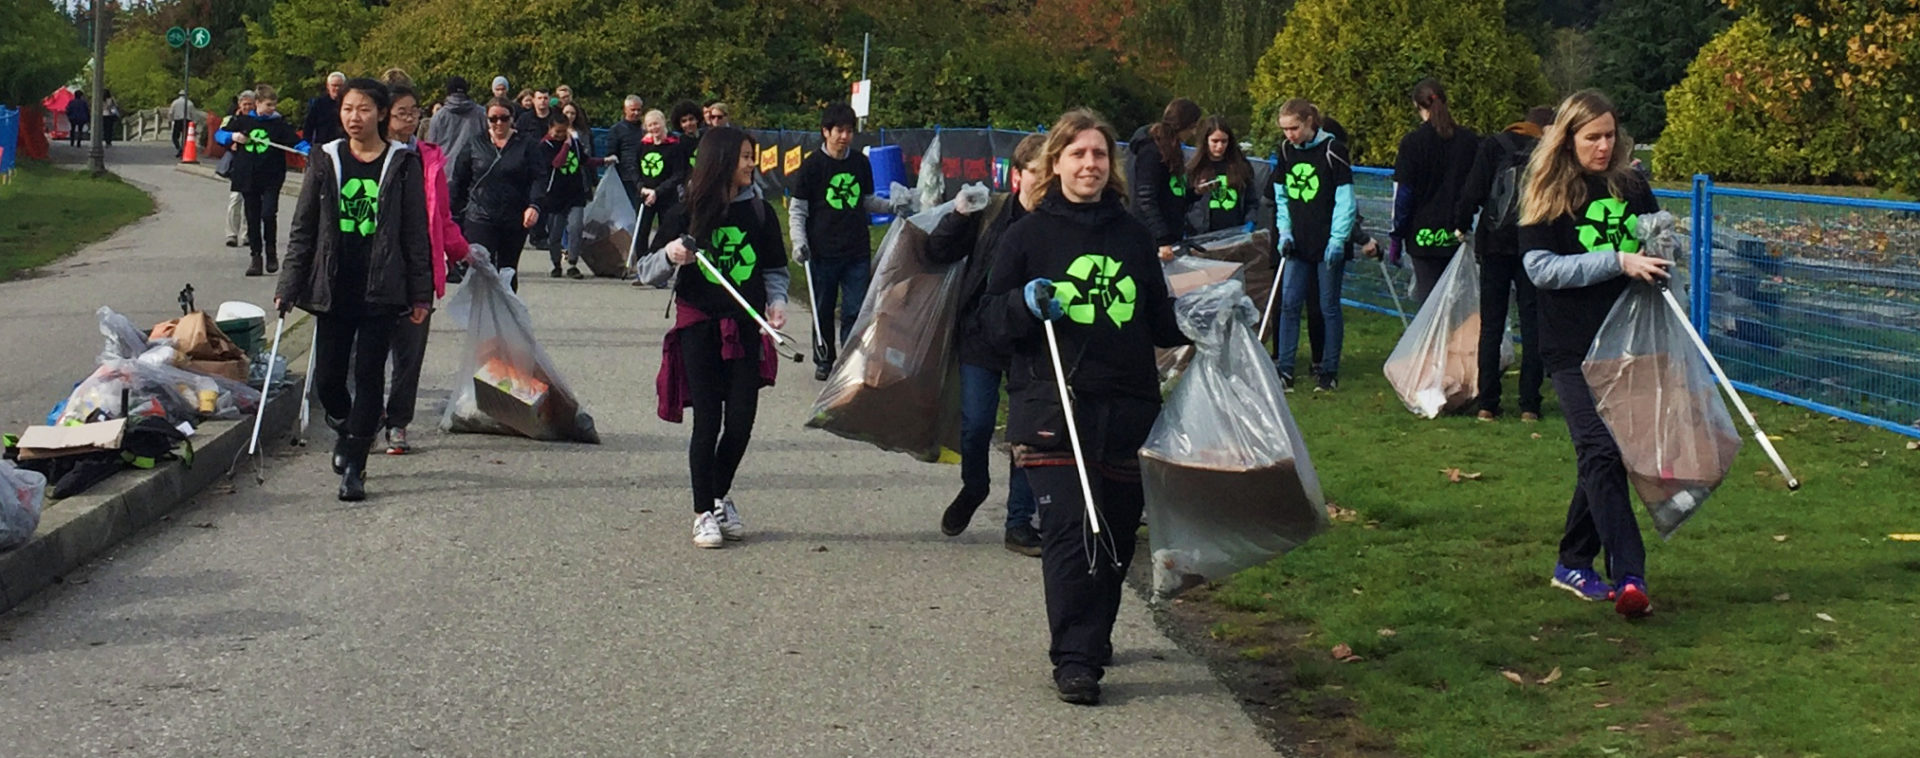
557 117
500 102
710 189
1204 168
382 99
1179 116
397 90
839 114
1430 95
456 83
682 110
1540 116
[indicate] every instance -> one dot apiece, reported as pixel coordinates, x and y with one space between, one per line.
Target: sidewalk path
501 597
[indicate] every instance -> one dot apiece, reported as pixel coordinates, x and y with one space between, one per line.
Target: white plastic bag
507 384
123 341
1228 481
22 495
606 229
153 386
1435 368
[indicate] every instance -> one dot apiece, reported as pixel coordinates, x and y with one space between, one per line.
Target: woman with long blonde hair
1578 228
1081 262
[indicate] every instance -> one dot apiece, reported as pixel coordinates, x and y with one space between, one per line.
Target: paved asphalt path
503 597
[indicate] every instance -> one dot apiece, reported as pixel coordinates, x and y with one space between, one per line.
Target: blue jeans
979 413
1293 297
844 279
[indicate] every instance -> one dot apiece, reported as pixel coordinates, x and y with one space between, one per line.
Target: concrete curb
74 530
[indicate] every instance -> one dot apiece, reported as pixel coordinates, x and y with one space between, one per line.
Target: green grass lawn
49 212
1783 625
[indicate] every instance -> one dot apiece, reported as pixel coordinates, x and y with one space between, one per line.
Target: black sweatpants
1601 514
504 240
1082 604
1426 273
263 218
358 345
409 348
726 397
1500 274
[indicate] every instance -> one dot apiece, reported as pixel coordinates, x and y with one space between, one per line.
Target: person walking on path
1160 195
973 234
1577 228
1313 223
501 88
688 125
448 246
717 116
236 213
1492 192
323 113
715 360
109 117
569 181
532 122
79 118
1221 178
662 167
460 122
1081 236
259 171
623 144
1434 160
498 187
827 218
181 111
357 259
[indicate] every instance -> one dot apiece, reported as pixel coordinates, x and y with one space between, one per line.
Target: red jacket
449 244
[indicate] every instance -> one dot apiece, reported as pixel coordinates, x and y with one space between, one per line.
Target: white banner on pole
862 97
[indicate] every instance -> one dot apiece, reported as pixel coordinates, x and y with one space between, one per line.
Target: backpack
147 441
1502 211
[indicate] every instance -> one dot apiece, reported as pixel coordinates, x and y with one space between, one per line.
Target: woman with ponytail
1427 177
1160 195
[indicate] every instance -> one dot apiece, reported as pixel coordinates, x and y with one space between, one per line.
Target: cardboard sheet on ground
606 228
1228 481
1435 368
507 384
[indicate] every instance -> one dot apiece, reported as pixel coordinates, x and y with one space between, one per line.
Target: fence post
1702 284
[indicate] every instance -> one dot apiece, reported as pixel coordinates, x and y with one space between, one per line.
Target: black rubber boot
353 480
273 258
960 512
255 268
341 445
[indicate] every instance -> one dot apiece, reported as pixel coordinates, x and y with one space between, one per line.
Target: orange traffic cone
190 153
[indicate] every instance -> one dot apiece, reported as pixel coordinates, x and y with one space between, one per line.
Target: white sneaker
731 526
706 531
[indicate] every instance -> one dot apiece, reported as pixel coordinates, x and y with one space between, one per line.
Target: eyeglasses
406 114
499 119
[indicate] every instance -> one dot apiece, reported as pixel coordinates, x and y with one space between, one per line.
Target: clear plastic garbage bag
1185 274
606 228
506 385
1435 368
1228 481
153 386
22 495
897 383
123 341
1660 399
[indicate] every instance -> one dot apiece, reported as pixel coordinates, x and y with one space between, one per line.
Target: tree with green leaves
1359 59
1210 47
39 51
299 42
1644 47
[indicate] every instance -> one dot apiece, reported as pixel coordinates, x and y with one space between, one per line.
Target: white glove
972 199
613 160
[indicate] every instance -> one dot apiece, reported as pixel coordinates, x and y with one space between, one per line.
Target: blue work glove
1286 240
1336 253
1393 252
1040 301
304 148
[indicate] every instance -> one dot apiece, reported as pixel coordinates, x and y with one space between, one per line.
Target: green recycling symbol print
736 257
1224 198
572 166
1303 183
1178 184
652 165
843 192
1609 228
257 141
1433 238
1101 289
359 206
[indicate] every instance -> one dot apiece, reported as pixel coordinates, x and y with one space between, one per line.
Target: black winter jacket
1159 196
399 273
623 142
496 185
975 239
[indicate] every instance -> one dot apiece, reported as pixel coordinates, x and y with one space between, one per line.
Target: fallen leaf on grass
1513 676
1779 538
1913 445
1904 537
1456 476
1536 435
1825 617
1344 653
1782 597
1387 632
1601 705
1551 677
1616 728
1338 513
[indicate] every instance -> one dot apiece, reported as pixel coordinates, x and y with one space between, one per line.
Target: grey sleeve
1559 272
875 204
778 281
655 269
797 223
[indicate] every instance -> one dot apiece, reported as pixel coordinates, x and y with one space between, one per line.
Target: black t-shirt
1309 177
1569 318
359 221
566 186
1434 169
660 162
1227 206
833 187
748 244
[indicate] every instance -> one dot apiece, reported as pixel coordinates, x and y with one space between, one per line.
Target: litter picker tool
1273 298
1073 427
1727 385
633 246
260 409
819 338
279 146
782 343
306 393
1387 274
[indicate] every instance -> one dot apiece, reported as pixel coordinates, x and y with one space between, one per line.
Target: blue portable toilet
888 167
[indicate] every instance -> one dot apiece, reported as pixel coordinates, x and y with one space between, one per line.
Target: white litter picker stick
1727 384
284 147
782 343
1397 307
819 336
306 392
1073 427
260 408
633 245
1273 297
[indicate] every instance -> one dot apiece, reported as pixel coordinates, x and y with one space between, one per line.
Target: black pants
179 136
504 240
1498 273
726 396
76 133
263 218
1601 514
1426 273
409 351
1082 604
356 343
